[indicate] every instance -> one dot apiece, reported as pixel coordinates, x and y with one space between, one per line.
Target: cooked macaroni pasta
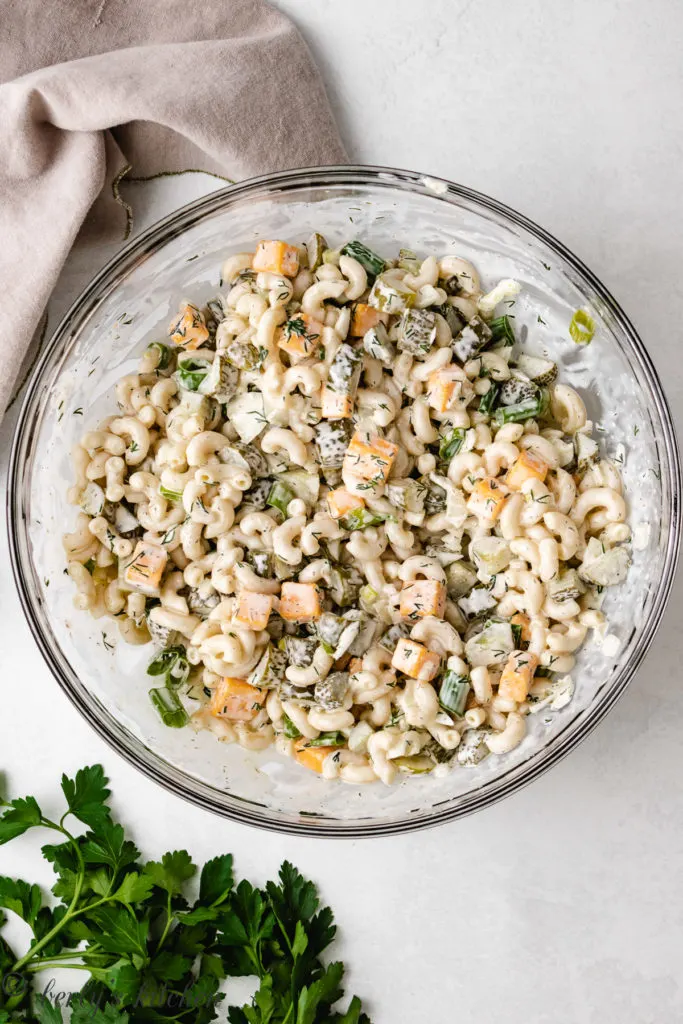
358 522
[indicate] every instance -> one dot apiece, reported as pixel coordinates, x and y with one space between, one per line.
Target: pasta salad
357 520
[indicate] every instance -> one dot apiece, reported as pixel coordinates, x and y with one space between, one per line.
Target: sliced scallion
487 402
368 259
328 739
501 331
171 711
451 443
582 327
530 408
280 496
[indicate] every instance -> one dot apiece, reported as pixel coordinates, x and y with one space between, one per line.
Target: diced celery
453 692
280 497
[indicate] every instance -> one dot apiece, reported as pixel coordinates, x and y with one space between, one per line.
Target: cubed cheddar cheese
335 405
188 329
446 386
355 665
528 466
415 661
300 602
364 318
423 597
520 619
311 757
340 502
145 569
300 337
515 681
253 609
487 498
369 457
236 699
276 257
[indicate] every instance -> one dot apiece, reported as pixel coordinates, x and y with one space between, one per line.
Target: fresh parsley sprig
153 953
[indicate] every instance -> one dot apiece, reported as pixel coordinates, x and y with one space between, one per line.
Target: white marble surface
563 903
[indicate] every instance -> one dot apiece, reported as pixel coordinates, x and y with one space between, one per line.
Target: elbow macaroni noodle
352 524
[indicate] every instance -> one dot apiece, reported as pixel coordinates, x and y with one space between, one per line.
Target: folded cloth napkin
95 88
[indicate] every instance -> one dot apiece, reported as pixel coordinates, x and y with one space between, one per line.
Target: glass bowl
130 303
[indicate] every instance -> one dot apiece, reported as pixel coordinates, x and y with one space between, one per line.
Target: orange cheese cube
146 567
520 619
276 258
236 699
487 498
448 388
311 757
423 597
528 466
370 457
300 336
515 681
188 329
253 609
335 406
364 317
340 502
300 602
415 661
355 665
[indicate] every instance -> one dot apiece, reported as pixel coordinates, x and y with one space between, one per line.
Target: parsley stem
169 919
49 936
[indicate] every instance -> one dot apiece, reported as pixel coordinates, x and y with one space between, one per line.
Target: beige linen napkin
145 86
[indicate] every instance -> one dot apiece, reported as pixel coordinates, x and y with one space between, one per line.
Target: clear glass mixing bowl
130 303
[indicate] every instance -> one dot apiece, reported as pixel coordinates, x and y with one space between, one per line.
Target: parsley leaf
22 815
174 870
86 796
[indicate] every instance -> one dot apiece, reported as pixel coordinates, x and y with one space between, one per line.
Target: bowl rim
134 750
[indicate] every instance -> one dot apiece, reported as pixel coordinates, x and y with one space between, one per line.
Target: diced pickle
332 439
345 370
417 332
330 692
299 650
270 669
472 339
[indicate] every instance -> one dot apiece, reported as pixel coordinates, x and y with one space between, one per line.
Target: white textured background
563 904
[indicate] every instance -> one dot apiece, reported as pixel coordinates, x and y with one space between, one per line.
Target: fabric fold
226 87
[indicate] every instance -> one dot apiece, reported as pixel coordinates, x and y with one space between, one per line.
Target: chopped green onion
280 497
582 327
191 372
171 662
361 518
328 739
289 729
175 496
502 333
453 692
487 402
90 565
526 410
516 634
171 711
451 443
165 354
368 259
